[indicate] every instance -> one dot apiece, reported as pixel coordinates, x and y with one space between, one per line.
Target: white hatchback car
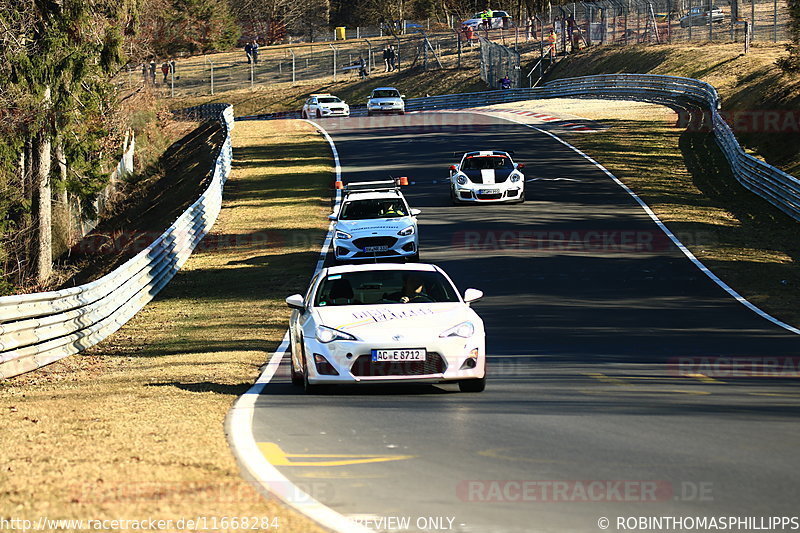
325 105
386 100
487 176
375 222
386 323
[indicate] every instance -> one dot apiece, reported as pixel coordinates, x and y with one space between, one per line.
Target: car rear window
385 287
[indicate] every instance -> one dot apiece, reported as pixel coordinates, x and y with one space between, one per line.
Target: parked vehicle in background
700 16
499 19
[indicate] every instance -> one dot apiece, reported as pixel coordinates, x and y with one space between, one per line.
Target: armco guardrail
772 184
38 329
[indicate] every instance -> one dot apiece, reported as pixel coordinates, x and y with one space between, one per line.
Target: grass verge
762 101
133 428
685 179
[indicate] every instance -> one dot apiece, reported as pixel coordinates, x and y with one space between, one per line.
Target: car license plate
399 355
489 191
376 248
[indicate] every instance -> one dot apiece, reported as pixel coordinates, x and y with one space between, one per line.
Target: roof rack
393 184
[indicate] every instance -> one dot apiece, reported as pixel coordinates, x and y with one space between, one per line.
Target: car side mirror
332 216
402 96
453 168
472 295
520 165
295 301
415 212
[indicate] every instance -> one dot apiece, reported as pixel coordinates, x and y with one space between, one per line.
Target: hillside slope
762 101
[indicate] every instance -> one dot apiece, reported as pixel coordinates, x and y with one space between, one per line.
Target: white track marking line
704 269
239 423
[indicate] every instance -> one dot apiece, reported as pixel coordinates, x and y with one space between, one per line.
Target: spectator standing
153 71
165 70
505 82
248 50
392 58
145 75
254 48
551 38
362 68
386 58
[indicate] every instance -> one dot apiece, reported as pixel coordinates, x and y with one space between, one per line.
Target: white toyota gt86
386 323
487 176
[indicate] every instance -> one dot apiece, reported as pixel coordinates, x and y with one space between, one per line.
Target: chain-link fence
665 21
297 63
500 65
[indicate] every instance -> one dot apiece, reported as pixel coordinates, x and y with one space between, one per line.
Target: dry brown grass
133 428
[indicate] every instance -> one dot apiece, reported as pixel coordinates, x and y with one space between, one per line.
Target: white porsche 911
487 176
386 323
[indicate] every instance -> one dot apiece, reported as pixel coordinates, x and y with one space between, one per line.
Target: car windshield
373 287
385 94
329 100
375 208
493 162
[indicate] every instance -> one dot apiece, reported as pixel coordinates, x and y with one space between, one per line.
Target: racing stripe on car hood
487 175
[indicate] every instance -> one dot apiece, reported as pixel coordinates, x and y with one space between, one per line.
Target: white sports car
386 323
375 222
487 176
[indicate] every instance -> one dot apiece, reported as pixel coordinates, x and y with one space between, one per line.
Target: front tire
297 377
319 114
309 388
472 385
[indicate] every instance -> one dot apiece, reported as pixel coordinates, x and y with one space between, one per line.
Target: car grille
374 241
387 253
489 196
364 367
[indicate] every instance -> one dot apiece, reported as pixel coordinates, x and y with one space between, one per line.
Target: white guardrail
779 188
38 329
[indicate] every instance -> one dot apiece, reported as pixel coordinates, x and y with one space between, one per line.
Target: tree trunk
43 203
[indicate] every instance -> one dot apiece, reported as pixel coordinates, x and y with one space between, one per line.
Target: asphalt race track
587 306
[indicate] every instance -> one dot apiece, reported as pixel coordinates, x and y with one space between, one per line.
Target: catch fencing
38 329
664 21
497 62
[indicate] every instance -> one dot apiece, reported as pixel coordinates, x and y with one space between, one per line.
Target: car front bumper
448 359
510 193
349 249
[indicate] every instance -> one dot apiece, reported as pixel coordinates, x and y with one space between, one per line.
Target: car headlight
515 178
465 330
326 335
461 180
406 232
342 235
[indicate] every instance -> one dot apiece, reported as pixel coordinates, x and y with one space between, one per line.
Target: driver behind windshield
413 289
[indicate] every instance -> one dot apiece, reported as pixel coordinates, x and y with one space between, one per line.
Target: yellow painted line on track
277 457
607 379
704 378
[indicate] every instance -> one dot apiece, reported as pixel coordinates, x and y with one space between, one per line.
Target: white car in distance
374 222
386 323
386 101
487 176
325 105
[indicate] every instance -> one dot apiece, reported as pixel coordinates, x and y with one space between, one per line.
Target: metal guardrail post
334 61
